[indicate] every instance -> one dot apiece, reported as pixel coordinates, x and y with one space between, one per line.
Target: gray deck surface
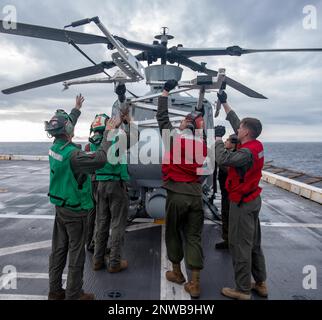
25 244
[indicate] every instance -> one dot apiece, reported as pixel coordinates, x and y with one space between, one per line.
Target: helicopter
145 188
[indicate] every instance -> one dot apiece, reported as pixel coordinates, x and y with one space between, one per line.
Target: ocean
301 156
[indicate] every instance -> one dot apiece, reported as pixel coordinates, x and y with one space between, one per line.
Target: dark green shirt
242 159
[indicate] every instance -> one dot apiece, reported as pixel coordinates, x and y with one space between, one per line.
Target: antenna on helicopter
164 37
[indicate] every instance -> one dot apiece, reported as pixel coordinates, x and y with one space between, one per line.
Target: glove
120 90
170 85
222 97
220 131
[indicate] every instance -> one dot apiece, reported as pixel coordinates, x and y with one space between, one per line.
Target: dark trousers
222 176
184 215
245 244
91 219
112 211
69 237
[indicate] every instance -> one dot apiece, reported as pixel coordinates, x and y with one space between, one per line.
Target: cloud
292 81
22 60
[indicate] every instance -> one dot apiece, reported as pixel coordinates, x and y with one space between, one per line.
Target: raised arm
75 113
88 163
242 158
163 113
231 114
130 128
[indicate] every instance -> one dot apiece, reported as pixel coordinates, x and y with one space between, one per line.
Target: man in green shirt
96 136
70 192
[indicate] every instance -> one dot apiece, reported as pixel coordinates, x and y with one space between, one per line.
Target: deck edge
299 188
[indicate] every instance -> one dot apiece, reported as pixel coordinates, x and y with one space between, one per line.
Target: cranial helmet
59 124
98 127
99 122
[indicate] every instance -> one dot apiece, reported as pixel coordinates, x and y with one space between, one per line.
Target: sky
291 81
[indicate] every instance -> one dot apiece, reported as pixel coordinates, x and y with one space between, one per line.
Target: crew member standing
70 192
95 140
184 210
244 174
230 144
113 202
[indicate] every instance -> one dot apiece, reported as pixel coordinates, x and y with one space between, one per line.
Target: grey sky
291 81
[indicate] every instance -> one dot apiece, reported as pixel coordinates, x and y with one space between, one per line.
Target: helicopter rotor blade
35 31
243 89
245 51
88 71
229 81
139 45
234 51
29 30
68 76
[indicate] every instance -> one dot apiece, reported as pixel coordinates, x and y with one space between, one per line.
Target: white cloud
292 133
20 130
291 81
18 62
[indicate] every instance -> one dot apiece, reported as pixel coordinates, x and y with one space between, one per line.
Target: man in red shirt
244 174
184 155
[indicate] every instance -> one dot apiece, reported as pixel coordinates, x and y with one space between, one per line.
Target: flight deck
291 240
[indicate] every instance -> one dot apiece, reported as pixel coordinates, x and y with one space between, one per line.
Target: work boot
86 296
235 294
175 275
193 286
118 268
57 295
97 265
260 288
222 245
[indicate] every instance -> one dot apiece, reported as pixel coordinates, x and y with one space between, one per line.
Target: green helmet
99 123
59 124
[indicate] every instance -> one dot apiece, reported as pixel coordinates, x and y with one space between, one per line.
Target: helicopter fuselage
146 179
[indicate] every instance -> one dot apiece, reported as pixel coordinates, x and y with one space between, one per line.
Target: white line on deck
22 297
170 290
291 225
141 226
25 247
151 225
283 224
28 275
27 216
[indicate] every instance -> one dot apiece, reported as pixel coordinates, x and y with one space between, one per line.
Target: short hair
253 125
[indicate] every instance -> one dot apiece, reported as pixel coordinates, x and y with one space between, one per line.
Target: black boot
57 295
222 245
